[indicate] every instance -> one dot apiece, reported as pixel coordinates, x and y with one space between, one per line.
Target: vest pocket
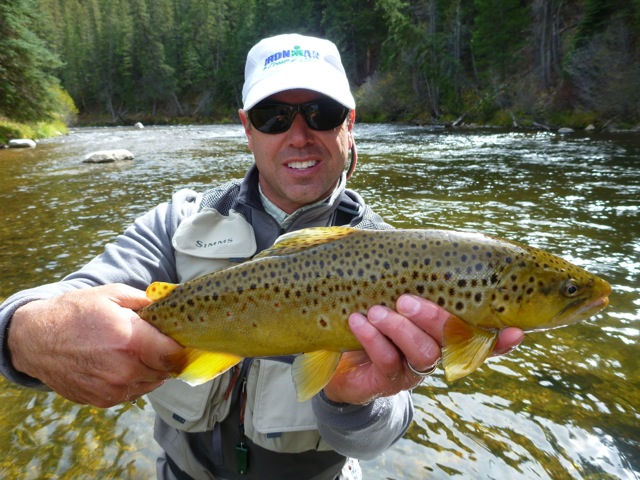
193 409
274 419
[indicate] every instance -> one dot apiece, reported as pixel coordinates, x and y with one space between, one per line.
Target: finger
127 296
508 340
156 350
417 346
425 314
383 354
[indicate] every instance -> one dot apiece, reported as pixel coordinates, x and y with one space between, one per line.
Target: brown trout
296 297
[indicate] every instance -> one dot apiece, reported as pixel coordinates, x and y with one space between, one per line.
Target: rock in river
22 143
108 156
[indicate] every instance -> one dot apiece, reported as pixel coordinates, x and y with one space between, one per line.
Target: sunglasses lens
277 117
324 115
271 117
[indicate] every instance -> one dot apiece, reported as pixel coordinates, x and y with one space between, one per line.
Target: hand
412 333
89 346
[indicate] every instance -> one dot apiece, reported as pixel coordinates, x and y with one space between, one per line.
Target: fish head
541 291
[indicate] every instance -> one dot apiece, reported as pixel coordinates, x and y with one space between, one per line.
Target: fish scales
296 296
322 285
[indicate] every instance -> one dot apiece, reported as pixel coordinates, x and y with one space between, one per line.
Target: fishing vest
214 238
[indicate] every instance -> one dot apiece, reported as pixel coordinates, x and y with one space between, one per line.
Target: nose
300 135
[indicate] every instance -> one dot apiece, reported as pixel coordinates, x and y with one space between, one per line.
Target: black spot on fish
459 306
462 283
478 297
441 301
420 289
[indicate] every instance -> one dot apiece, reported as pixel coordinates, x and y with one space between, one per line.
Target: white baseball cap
289 61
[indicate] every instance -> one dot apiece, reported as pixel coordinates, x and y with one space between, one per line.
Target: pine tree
26 84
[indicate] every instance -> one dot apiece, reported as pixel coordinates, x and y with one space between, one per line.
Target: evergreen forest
502 62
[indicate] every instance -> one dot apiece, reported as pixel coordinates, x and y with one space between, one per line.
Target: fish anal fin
200 366
312 371
300 240
464 347
159 290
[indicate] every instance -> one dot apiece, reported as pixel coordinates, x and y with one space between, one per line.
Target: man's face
300 166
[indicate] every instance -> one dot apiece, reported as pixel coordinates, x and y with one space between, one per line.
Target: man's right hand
89 345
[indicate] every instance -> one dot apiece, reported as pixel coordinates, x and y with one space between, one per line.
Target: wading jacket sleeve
144 254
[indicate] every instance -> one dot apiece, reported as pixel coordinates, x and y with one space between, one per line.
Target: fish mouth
583 312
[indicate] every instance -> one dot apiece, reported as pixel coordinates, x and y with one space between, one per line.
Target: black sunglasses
324 114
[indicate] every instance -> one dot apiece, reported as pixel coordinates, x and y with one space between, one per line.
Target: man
82 338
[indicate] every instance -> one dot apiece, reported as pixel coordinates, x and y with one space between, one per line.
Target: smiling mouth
302 165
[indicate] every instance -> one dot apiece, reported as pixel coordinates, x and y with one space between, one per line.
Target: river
566 404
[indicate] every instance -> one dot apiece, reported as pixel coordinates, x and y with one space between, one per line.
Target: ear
350 123
246 123
352 120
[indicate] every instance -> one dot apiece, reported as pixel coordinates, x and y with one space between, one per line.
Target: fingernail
377 314
356 320
408 305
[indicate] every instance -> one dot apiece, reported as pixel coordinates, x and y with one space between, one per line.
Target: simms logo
290 55
201 244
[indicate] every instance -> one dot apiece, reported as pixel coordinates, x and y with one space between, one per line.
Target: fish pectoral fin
300 240
159 290
312 371
464 347
200 366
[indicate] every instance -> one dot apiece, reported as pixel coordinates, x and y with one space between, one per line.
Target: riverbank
12 130
35 131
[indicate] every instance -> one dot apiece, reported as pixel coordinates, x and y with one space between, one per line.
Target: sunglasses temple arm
354 161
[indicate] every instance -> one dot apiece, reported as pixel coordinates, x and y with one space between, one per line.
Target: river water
566 404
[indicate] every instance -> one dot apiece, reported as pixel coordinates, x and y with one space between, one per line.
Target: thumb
156 350
127 296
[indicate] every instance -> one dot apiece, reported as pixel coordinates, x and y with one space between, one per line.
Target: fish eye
570 288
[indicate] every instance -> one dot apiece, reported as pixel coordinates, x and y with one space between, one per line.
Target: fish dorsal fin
159 290
300 240
464 347
312 371
200 366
